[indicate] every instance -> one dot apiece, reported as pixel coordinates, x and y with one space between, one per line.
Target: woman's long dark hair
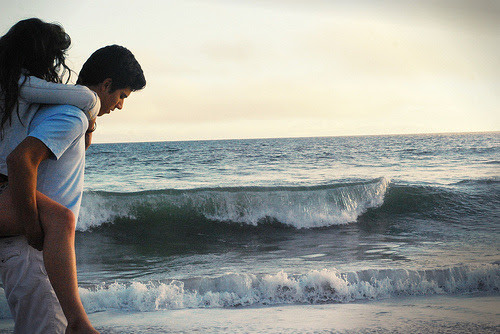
31 47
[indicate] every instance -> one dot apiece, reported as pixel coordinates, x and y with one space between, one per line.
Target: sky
221 69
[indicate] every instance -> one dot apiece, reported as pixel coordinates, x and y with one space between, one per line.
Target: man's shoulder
60 116
63 109
61 112
58 126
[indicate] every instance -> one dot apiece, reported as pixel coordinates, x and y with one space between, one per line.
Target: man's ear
106 85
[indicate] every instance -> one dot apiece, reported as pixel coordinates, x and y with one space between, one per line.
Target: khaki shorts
32 301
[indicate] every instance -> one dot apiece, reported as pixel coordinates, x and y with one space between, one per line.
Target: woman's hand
88 139
88 134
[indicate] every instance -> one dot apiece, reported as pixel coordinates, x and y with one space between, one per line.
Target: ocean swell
299 207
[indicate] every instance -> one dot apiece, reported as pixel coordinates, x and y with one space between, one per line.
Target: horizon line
299 137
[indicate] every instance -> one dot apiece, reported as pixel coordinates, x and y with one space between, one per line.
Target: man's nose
120 105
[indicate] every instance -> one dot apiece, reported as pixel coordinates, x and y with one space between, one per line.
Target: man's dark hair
115 62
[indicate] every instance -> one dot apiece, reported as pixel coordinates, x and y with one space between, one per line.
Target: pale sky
218 69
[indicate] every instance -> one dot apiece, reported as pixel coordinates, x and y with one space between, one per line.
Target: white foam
299 208
317 286
97 209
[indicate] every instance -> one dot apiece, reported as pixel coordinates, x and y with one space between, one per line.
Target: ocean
247 236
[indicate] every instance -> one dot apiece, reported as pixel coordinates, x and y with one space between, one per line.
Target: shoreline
478 313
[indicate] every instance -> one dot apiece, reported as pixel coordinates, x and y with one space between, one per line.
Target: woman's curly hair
31 47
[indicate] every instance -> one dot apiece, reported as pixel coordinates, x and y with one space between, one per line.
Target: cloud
387 47
228 51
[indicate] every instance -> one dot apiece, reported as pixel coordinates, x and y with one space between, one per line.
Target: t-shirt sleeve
58 127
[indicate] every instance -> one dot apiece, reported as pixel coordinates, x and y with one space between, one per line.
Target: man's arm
22 164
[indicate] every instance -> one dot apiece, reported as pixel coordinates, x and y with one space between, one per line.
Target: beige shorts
32 301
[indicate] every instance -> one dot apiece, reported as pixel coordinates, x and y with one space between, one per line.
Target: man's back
61 129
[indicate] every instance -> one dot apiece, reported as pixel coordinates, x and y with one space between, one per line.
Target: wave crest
300 207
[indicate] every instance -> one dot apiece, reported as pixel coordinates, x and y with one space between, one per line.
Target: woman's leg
7 226
58 224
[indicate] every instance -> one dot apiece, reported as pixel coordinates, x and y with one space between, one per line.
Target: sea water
303 222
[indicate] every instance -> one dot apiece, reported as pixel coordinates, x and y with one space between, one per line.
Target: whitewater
300 207
320 235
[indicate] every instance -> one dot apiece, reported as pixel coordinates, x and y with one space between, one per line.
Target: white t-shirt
62 129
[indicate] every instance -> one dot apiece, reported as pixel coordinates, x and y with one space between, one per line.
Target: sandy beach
435 314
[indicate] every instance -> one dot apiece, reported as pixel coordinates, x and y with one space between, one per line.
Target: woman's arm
35 90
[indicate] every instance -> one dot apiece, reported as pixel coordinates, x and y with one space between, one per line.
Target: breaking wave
290 207
324 286
299 207
314 287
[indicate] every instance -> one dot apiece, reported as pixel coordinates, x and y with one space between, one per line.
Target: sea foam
316 286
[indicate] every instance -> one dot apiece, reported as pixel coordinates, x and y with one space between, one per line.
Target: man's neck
93 88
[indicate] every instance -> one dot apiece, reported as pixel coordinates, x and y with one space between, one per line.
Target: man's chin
102 113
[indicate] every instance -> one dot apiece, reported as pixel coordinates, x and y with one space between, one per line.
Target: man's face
112 99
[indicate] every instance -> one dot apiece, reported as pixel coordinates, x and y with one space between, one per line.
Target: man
55 147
